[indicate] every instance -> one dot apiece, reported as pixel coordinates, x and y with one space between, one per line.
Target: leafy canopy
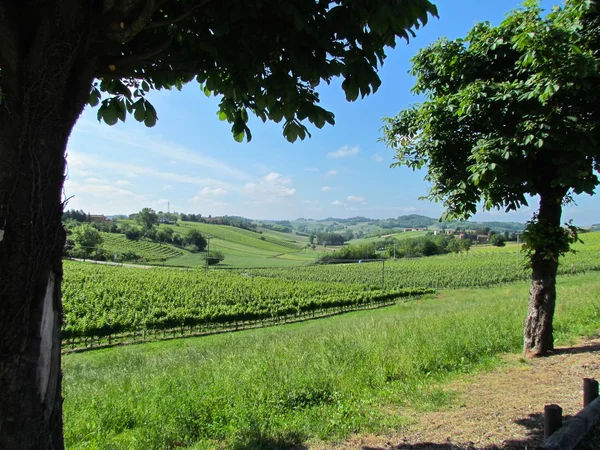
509 111
261 56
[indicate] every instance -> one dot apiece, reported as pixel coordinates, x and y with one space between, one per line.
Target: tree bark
37 114
538 334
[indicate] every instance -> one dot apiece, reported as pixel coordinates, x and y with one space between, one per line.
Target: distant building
100 218
483 238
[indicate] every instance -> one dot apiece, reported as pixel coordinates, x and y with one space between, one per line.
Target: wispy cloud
93 180
331 173
355 199
337 203
212 192
377 157
78 160
174 152
325 189
344 152
311 169
123 183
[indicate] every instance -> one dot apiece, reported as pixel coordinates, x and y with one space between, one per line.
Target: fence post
590 391
552 419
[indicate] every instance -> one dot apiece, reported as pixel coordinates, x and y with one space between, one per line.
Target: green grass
397 236
316 381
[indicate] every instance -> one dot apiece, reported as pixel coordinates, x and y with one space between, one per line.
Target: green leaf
94 97
239 137
110 114
140 111
222 115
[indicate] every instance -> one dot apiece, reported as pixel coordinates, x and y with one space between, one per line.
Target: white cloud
337 203
271 189
331 173
212 192
124 183
307 202
378 157
325 189
166 187
96 180
274 177
311 169
344 152
355 199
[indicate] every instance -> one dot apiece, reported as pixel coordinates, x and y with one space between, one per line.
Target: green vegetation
105 300
478 268
117 244
319 380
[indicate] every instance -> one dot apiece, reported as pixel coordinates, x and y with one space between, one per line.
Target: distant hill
401 222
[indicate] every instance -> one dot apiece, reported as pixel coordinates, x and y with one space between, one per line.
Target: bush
214 257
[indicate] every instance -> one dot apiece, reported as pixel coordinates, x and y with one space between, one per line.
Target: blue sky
190 159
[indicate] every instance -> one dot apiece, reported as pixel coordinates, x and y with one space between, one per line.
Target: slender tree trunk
44 89
538 334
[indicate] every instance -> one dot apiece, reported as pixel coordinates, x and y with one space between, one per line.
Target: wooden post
552 419
590 391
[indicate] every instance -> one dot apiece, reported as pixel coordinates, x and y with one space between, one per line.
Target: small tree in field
87 238
147 218
512 111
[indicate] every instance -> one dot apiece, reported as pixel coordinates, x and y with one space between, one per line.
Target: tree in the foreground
512 111
264 57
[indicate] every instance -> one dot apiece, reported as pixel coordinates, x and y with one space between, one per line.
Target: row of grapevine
474 269
148 250
104 300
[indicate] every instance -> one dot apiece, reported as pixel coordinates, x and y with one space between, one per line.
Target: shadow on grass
533 423
255 440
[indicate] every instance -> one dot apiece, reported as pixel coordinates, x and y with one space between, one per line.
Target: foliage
147 218
195 238
86 238
351 253
103 300
214 257
497 240
510 111
271 71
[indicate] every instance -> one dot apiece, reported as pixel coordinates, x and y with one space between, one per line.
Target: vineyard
150 251
103 301
484 268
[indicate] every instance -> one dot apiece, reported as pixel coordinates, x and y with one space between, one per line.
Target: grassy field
397 236
316 381
150 251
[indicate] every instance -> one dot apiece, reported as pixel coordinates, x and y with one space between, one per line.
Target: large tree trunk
538 336
44 86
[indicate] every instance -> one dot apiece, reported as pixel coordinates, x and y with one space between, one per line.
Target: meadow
316 381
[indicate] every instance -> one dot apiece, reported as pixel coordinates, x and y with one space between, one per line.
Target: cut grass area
319 380
244 237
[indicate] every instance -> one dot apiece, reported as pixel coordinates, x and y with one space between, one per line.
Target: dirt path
501 409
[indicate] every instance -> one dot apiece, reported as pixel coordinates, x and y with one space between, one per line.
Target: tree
261 56
214 257
497 240
195 238
86 237
509 112
147 218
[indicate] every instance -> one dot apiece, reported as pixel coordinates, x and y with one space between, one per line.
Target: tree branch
120 61
185 15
